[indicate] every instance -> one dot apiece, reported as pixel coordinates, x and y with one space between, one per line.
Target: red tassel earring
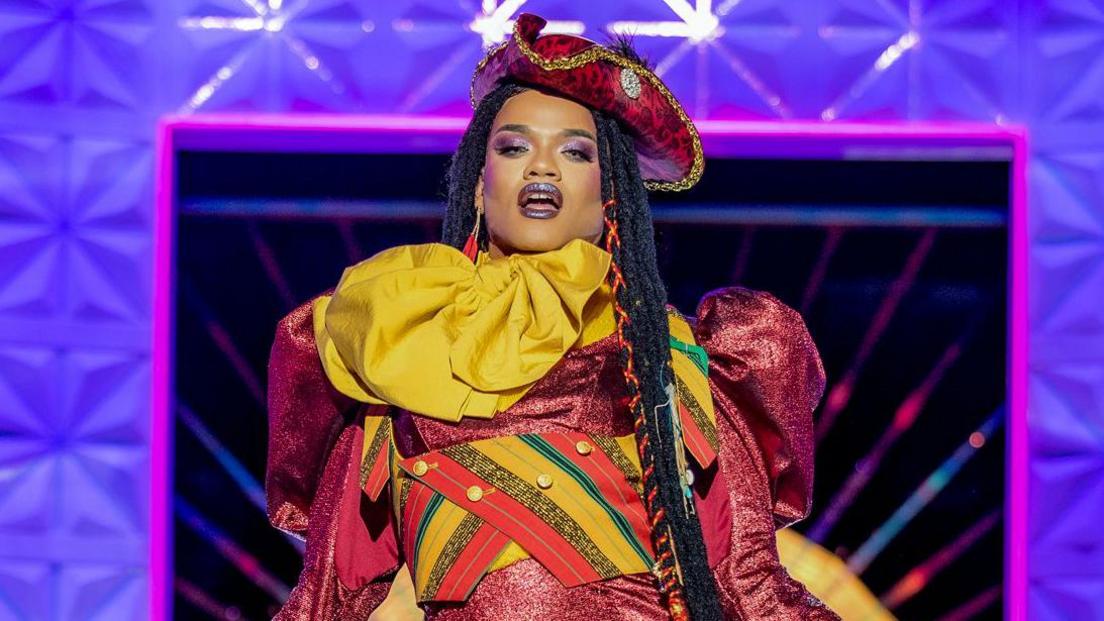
471 247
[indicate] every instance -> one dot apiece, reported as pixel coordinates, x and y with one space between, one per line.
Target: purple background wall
83 82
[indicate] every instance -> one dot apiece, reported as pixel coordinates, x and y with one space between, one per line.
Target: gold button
583 447
475 493
544 481
420 468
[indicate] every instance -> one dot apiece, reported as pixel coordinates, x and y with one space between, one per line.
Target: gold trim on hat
598 52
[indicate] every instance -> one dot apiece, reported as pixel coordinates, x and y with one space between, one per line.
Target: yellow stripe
400 484
434 539
375 435
687 372
528 464
371 428
511 554
679 327
692 380
541 506
457 542
565 492
629 451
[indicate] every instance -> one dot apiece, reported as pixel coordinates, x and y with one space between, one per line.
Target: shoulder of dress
734 305
301 315
746 307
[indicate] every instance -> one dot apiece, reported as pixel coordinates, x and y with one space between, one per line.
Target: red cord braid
669 583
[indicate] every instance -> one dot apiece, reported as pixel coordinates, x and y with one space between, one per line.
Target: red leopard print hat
667 143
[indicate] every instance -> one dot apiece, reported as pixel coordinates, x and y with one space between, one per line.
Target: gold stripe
457 541
701 419
597 514
678 326
598 52
403 495
368 457
617 455
530 497
432 536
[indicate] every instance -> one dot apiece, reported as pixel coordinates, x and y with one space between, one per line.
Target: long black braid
467 163
646 339
645 345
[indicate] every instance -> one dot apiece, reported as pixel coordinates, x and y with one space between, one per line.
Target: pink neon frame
408 134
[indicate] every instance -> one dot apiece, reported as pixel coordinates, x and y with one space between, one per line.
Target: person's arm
766 377
401 604
305 417
313 484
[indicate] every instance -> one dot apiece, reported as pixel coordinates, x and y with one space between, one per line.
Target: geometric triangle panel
85 52
26 591
102 592
28 490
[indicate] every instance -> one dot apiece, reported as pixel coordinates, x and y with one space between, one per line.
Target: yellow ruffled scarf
423 328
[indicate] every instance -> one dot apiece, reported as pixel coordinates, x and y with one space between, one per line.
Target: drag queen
512 423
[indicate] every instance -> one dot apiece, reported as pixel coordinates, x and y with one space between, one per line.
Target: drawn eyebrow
578 132
524 129
514 127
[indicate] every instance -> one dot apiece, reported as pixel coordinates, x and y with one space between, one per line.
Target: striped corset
570 500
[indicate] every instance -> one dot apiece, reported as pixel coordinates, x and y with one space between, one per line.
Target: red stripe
610 480
469 567
511 517
416 503
694 438
378 475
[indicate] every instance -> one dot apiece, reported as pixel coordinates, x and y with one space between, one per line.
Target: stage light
698 23
495 23
889 56
272 18
894 52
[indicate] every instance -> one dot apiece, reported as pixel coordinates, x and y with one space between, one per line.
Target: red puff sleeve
305 418
312 485
766 377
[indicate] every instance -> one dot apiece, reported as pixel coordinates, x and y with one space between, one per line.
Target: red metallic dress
766 378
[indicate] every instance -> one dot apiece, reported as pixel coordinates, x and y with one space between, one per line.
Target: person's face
541 185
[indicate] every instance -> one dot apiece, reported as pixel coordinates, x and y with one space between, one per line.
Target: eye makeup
509 144
581 150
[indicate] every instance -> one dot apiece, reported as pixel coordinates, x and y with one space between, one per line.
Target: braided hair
640 303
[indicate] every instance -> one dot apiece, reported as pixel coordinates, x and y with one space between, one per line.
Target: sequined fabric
766 378
313 490
584 392
628 598
304 420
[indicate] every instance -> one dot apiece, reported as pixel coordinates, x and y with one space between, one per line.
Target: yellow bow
423 328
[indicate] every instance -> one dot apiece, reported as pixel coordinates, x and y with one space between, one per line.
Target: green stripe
533 499
550 452
427 516
695 353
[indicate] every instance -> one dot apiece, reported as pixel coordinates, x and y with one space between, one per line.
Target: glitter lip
540 200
